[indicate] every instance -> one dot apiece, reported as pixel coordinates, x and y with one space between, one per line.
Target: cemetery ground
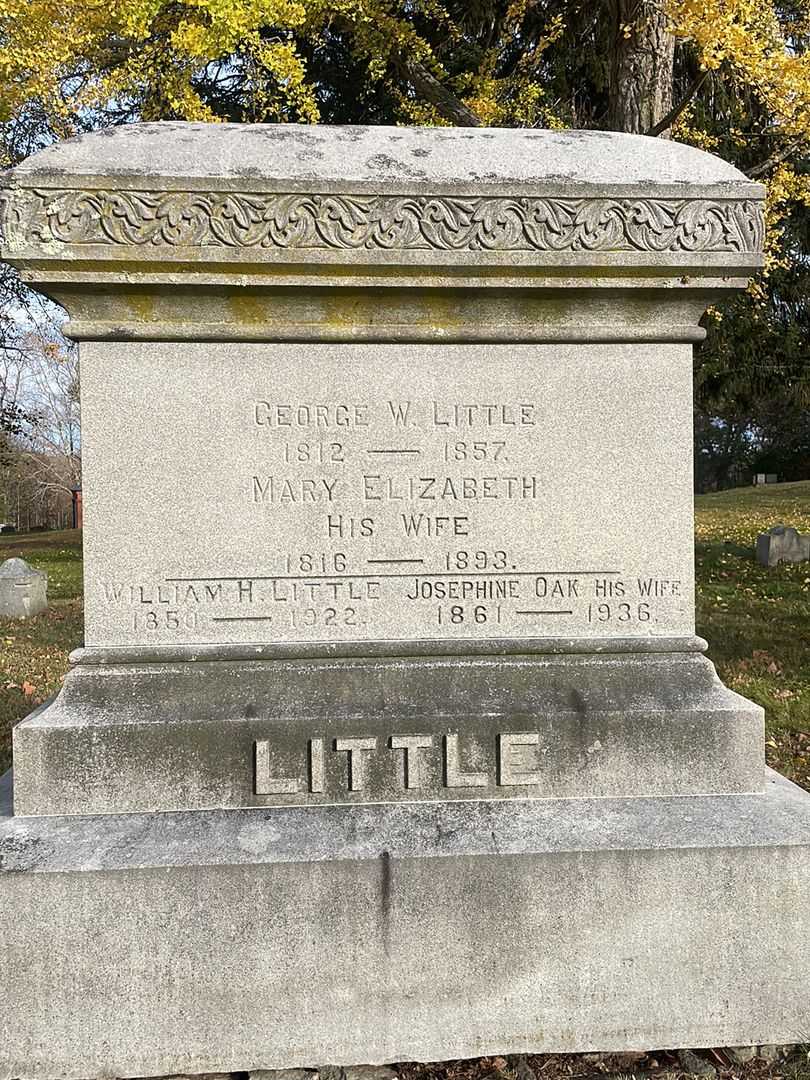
757 622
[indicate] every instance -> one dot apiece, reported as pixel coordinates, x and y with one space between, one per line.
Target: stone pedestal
146 944
247 733
392 737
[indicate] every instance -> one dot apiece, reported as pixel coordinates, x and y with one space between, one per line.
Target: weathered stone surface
404 537
146 206
782 544
391 190
306 155
403 417
248 938
254 733
23 590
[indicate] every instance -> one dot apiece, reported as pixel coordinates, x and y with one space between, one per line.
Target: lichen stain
142 306
250 308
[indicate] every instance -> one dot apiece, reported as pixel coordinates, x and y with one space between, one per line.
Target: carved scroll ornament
190 219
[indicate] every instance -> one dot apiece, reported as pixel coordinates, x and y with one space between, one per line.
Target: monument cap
271 205
363 155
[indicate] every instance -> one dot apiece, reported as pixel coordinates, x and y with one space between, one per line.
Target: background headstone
782 544
23 590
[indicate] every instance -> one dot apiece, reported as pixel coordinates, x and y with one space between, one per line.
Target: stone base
146 945
196 735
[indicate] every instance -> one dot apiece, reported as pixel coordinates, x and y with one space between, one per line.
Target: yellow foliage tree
75 57
729 75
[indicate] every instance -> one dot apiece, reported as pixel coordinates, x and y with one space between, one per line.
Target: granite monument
391 737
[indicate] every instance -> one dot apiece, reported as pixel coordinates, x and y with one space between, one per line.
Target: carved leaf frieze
188 219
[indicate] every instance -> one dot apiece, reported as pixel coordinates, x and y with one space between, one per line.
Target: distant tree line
40 440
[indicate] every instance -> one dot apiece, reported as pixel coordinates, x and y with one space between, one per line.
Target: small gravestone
782 544
23 590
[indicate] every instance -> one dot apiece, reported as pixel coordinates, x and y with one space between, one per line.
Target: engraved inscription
411 744
454 774
357 750
319 600
266 784
316 766
428 494
410 762
513 768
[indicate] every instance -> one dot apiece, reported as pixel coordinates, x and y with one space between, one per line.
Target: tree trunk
641 66
447 104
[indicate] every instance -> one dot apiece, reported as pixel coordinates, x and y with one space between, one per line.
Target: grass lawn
757 621
33 654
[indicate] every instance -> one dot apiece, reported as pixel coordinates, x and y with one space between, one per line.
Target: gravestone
391 737
782 544
23 590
